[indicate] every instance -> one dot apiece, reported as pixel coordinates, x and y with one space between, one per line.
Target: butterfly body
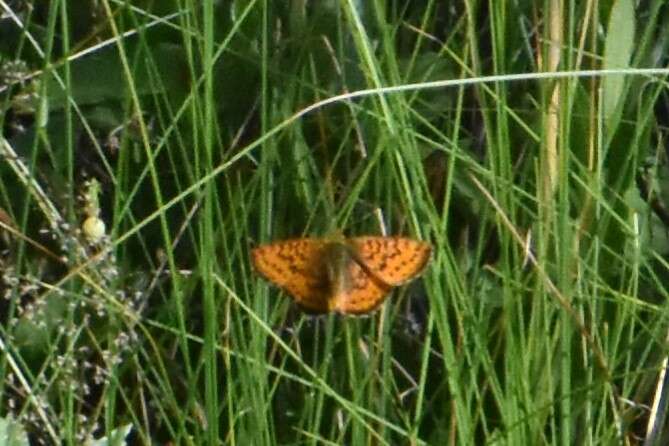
348 276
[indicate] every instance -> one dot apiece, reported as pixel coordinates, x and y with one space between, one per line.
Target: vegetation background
147 146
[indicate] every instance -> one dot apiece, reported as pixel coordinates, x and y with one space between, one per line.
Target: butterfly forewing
296 266
394 260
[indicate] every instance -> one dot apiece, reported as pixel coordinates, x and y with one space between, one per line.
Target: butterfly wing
393 260
362 293
296 267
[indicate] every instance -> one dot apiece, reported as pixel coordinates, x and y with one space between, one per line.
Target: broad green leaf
617 54
12 433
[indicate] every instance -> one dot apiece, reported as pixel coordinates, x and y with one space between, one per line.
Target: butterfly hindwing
363 294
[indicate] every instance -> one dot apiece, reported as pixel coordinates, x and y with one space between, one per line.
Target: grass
195 132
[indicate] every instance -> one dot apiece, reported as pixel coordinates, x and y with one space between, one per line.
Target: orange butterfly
349 276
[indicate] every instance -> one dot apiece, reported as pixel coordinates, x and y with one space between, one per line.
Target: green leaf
12 433
617 54
116 438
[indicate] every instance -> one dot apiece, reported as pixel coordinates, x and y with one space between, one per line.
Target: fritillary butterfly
348 276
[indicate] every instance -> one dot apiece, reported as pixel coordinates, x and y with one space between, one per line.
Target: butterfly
343 275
